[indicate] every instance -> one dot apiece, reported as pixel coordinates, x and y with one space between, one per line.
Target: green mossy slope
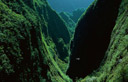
71 19
69 22
76 14
28 49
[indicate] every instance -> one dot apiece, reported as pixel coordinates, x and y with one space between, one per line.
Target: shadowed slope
92 37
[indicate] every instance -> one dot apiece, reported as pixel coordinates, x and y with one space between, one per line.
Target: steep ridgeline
71 19
69 5
34 42
69 22
92 37
76 14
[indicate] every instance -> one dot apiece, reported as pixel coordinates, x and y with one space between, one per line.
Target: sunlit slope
30 37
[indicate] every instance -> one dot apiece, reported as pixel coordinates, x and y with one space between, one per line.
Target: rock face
34 42
92 37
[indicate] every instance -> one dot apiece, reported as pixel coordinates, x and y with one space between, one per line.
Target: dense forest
43 44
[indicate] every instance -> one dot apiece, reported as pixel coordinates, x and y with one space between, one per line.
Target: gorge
37 44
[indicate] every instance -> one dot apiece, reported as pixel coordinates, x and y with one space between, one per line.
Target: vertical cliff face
92 37
34 42
114 67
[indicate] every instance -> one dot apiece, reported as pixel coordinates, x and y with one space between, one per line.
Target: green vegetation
76 14
69 22
30 50
115 64
35 41
71 19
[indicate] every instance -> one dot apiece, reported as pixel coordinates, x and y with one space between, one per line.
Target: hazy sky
69 5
